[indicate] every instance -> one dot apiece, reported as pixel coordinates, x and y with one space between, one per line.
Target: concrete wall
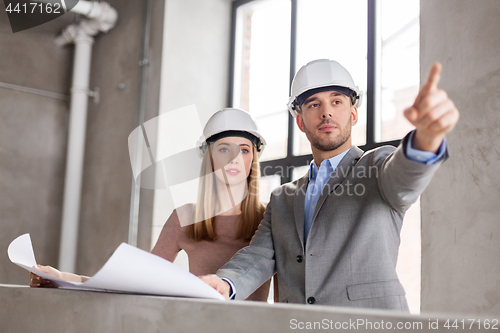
53 310
107 172
33 134
460 209
34 129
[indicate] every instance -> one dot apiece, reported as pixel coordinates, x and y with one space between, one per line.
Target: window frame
276 166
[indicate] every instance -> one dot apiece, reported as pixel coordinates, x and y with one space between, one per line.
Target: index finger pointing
434 77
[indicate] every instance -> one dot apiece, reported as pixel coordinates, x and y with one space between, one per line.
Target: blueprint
128 270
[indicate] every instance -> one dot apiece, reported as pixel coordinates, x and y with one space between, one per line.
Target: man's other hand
218 284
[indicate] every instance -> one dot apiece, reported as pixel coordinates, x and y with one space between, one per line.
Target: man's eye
337 102
314 105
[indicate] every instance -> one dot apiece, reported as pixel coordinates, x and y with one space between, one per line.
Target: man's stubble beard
336 142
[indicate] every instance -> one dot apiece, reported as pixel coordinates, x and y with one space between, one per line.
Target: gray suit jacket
351 251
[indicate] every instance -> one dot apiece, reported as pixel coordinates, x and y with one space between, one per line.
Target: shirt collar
333 162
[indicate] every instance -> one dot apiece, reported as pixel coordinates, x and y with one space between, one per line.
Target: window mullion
285 178
371 75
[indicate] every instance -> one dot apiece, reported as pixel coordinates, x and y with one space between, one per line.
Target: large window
378 43
262 69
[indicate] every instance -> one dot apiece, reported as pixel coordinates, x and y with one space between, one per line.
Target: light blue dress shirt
426 157
318 180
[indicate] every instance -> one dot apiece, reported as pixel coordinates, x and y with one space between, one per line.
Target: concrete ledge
27 309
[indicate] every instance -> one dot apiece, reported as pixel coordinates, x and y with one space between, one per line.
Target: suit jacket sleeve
253 265
402 180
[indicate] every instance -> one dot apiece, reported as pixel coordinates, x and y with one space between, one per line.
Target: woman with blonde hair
227 212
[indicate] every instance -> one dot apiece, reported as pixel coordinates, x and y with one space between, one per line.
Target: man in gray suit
333 235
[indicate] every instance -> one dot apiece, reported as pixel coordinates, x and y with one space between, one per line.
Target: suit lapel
341 172
300 197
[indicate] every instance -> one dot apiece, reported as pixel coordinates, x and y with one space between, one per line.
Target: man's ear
300 122
354 115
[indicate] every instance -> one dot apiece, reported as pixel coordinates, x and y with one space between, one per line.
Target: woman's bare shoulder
185 214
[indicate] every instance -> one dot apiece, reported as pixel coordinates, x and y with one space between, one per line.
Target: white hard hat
322 73
231 122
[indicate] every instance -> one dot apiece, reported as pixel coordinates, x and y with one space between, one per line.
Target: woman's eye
223 150
245 151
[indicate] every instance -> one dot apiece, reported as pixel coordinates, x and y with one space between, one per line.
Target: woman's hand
39 282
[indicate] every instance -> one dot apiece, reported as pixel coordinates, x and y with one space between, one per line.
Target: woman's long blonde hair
252 210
